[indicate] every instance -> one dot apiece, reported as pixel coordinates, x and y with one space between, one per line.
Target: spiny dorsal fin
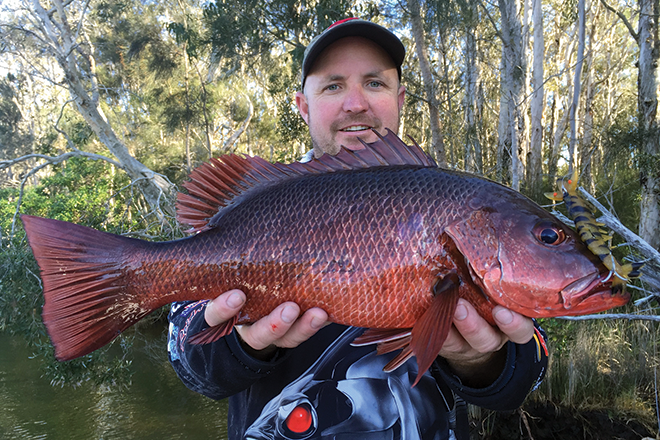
222 181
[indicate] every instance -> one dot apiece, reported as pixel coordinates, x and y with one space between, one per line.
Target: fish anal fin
378 335
388 340
430 331
399 360
214 333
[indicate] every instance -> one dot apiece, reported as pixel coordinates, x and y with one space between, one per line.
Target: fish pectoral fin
214 333
430 331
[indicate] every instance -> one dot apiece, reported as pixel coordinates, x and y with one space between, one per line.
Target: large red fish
379 238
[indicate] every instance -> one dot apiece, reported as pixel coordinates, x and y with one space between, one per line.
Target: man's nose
355 100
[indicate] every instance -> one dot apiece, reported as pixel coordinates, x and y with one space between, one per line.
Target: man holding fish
291 375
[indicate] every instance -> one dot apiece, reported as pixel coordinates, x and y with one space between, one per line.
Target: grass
604 365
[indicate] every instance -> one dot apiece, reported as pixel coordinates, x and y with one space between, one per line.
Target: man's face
352 88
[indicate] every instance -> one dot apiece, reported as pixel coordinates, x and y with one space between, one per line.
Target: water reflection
155 406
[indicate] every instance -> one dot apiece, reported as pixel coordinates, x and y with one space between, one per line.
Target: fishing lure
589 229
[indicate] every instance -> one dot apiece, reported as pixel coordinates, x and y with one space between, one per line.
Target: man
292 376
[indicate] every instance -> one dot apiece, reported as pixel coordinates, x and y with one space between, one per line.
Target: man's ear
303 107
402 97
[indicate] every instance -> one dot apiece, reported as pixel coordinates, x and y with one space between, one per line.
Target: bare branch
628 316
623 18
54 160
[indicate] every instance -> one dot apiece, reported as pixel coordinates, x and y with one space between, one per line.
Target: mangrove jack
379 238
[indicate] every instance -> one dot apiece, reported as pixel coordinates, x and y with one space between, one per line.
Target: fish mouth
593 293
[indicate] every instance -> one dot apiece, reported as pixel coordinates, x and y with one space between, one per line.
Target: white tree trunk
534 165
473 153
576 87
513 80
649 223
427 78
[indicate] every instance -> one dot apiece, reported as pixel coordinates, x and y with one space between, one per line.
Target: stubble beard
331 146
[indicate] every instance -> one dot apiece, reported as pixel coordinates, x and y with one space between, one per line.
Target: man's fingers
518 328
224 307
480 335
304 328
271 328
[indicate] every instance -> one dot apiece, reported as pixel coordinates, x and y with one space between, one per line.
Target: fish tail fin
87 299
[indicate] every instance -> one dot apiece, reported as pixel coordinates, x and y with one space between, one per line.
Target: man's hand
281 328
473 348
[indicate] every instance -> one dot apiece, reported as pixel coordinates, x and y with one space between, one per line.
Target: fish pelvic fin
86 299
217 185
428 335
430 331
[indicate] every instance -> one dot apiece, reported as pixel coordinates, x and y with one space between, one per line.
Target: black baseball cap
353 27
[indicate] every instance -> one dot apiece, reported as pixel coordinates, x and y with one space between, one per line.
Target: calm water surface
156 405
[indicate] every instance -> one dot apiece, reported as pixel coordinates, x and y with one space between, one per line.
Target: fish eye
548 233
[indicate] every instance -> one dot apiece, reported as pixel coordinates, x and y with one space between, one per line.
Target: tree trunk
577 83
473 154
427 77
649 223
586 147
511 104
534 165
60 42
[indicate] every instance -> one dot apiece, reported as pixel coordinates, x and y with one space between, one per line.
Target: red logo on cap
342 21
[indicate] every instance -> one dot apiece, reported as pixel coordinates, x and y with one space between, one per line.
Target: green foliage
15 138
80 191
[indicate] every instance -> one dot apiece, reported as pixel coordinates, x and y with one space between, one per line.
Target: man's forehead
375 73
366 49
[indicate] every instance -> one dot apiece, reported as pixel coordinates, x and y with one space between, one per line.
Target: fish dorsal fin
221 182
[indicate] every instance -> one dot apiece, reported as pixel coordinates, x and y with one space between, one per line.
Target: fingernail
461 312
235 300
503 316
316 323
289 314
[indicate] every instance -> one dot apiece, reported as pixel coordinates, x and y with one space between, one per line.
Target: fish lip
592 284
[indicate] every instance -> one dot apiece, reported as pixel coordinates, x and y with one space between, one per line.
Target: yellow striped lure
597 240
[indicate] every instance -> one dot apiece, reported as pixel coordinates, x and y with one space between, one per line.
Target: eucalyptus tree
421 50
647 37
534 165
512 110
61 32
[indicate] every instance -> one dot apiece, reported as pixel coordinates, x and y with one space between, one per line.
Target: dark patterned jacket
326 388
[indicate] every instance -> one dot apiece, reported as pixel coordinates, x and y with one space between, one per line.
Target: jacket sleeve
216 370
525 368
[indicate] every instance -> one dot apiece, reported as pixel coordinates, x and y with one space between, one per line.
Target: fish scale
377 239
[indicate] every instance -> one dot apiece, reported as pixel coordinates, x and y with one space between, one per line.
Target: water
156 405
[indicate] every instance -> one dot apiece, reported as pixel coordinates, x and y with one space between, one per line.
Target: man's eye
375 84
332 87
